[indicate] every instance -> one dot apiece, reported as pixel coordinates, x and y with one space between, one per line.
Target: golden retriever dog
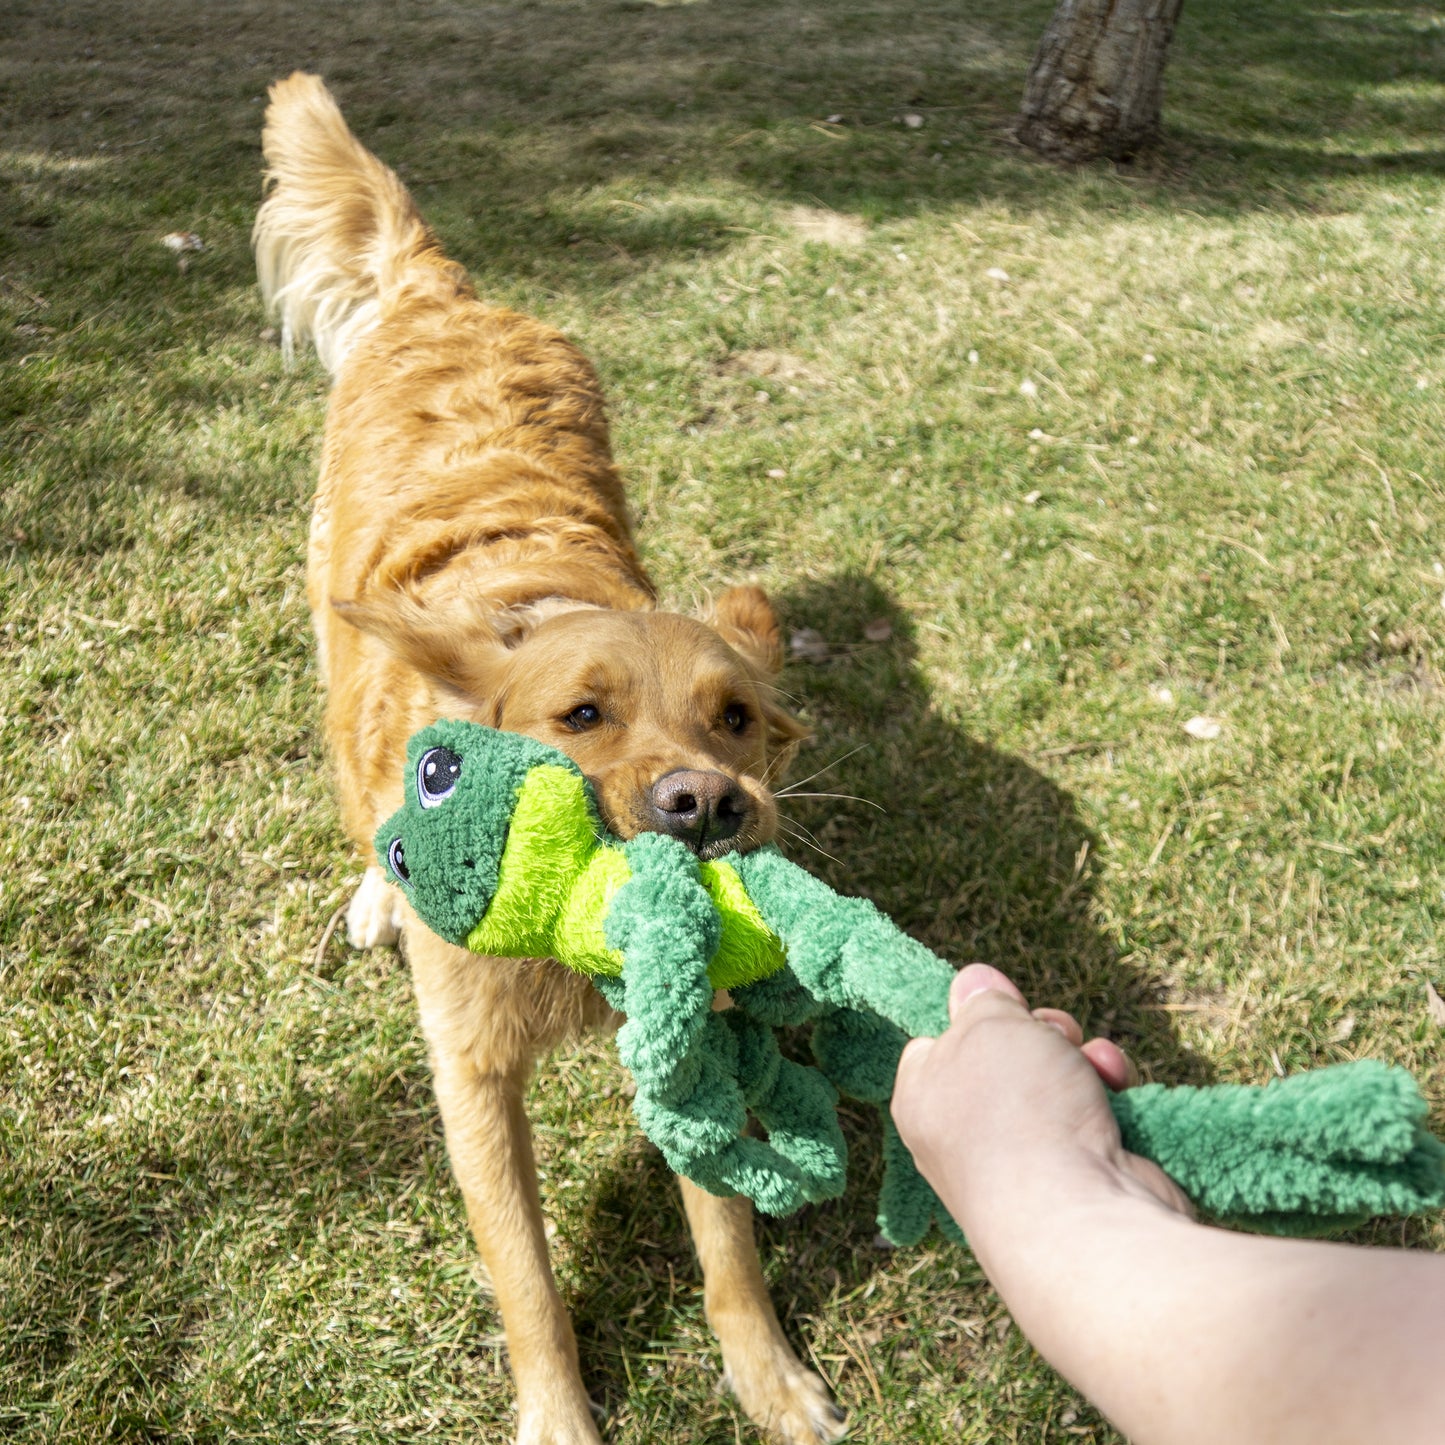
470 557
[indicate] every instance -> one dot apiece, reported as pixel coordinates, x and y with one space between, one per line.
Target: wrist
1060 1254
1050 1207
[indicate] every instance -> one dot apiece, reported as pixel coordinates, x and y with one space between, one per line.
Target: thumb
983 990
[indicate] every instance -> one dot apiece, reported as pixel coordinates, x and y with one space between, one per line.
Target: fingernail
979 978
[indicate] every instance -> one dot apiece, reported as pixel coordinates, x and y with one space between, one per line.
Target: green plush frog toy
499 848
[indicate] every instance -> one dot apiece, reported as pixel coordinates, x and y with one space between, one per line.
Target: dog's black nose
699 807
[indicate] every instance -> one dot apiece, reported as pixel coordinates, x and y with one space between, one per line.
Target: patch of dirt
1274 335
815 223
1404 661
772 366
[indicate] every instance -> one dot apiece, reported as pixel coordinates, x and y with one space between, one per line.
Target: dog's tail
338 241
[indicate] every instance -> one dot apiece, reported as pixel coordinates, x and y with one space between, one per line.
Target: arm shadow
975 851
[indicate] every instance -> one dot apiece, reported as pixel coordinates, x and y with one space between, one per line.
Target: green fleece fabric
514 862
453 850
1312 1153
506 854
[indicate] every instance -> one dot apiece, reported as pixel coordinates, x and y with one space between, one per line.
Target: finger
915 1051
979 978
1066 1024
911 1061
1111 1064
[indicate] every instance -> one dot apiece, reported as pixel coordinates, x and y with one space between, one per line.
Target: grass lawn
1107 450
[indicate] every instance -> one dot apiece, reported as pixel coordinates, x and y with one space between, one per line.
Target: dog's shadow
975 851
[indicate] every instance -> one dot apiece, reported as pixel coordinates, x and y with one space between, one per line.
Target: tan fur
471 557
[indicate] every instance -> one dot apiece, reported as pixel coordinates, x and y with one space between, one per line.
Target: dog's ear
430 644
745 620
452 644
785 735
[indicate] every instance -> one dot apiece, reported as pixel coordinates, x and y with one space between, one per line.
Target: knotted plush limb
907 1206
698 1072
498 844
859 1052
1315 1153
795 1104
844 951
779 1000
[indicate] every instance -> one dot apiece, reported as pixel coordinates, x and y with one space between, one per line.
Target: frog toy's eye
436 776
396 861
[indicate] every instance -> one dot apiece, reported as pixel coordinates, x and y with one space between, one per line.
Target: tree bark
1095 85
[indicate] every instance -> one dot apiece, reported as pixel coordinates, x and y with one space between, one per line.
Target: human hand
1008 1108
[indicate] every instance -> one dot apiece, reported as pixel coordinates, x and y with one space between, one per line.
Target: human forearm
1182 1333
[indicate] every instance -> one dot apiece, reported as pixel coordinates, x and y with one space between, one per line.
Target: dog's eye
396 861
584 717
436 776
736 717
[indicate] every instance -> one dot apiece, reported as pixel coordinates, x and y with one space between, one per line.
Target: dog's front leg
482 1039
490 1145
778 1392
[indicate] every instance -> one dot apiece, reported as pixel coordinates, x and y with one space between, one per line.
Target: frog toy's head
444 845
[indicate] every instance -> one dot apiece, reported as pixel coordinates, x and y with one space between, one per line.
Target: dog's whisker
846 797
798 827
827 767
782 692
779 761
797 835
801 830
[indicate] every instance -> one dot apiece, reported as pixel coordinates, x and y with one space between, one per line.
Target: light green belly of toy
558 879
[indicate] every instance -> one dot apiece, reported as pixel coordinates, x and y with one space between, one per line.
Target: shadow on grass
506 112
975 851
111 1308
517 125
1265 100
981 856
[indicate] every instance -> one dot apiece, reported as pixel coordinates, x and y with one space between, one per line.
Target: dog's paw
374 916
785 1399
558 1426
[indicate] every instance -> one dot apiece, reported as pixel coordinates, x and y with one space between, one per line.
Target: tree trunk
1094 87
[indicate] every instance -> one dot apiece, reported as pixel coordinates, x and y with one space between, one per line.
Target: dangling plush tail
338 241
